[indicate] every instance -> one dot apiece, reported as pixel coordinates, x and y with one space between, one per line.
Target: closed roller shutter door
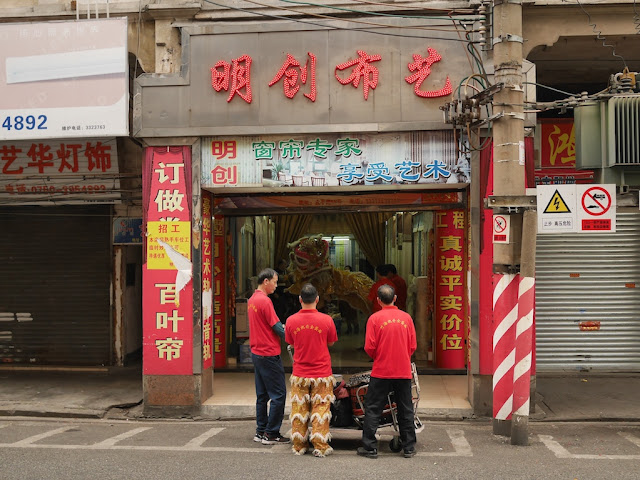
589 277
55 281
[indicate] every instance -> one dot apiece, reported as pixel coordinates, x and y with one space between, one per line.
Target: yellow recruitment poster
162 238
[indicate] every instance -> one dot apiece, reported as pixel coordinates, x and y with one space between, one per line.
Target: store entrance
343 244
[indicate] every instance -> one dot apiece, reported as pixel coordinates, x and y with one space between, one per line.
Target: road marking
29 440
460 444
561 452
632 438
162 448
198 441
109 442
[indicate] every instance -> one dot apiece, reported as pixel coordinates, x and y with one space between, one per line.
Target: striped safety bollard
522 369
505 316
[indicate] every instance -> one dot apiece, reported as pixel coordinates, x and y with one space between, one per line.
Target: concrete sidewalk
117 393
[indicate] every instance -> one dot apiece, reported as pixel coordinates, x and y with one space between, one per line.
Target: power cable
353 20
331 27
362 12
600 37
550 88
415 7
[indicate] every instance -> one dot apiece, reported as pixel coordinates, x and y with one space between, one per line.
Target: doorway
336 242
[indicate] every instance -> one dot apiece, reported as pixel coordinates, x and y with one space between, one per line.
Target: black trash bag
341 414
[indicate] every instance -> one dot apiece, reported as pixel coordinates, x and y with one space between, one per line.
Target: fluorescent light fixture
55 66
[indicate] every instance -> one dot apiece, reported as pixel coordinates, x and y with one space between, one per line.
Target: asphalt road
100 449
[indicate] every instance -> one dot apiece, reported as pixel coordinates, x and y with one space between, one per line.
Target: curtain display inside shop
289 228
368 228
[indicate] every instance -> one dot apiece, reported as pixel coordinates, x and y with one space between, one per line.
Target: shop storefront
60 178
358 221
324 158
586 295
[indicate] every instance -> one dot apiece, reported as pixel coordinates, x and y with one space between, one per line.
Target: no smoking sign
501 228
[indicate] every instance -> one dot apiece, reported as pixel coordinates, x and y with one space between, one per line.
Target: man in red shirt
310 333
390 340
381 279
265 331
400 287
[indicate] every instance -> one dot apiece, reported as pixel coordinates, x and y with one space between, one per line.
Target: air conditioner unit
608 132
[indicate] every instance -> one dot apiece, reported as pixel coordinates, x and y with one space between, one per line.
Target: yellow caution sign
557 204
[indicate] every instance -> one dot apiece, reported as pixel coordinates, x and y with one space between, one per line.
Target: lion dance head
310 255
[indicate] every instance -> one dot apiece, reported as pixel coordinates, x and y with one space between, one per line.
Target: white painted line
109 442
460 443
561 452
198 441
28 441
162 448
632 438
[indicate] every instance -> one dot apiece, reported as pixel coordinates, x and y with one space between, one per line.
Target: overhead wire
324 25
353 20
363 12
414 7
599 36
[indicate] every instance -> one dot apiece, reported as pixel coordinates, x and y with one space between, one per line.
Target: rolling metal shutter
589 278
55 274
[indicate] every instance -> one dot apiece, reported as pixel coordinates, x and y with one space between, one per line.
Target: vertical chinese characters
450 304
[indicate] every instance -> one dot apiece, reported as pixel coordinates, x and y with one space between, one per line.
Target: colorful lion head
311 254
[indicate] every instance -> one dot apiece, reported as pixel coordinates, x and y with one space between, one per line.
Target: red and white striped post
522 369
505 316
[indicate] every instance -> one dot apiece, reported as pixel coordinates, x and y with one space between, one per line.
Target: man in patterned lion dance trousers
311 333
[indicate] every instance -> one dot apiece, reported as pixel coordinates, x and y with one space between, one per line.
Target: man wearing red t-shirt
381 279
265 331
390 340
400 287
310 333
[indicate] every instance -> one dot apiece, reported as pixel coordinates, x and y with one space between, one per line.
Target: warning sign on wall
556 208
501 228
576 208
596 208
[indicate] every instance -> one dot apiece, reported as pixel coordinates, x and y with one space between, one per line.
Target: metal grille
589 278
624 125
55 274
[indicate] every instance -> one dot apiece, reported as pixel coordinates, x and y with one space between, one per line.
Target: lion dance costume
310 263
311 400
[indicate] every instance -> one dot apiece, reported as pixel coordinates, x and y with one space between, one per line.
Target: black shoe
258 437
410 453
363 452
274 439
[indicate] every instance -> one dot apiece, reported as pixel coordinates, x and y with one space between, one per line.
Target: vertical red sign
167 289
219 293
207 278
450 271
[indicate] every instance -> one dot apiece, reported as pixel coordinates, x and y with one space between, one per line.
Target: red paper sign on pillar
219 293
450 308
167 295
207 283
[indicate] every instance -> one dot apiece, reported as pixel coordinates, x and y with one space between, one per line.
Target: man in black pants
390 340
